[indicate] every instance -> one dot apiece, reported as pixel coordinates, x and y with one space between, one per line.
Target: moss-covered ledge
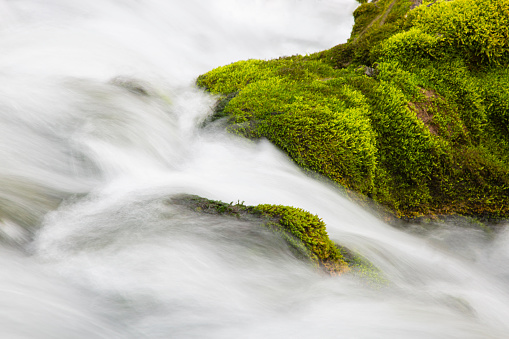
304 232
413 111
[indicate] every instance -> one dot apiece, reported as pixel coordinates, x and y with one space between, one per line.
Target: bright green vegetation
304 232
310 230
413 111
306 109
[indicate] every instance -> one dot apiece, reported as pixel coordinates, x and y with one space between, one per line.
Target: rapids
99 126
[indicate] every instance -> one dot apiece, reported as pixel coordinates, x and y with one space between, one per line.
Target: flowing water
98 129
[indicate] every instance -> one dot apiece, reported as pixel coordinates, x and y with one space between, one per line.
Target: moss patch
412 111
304 232
300 106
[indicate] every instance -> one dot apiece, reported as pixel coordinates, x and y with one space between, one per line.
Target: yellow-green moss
475 30
231 78
320 122
411 111
309 229
304 232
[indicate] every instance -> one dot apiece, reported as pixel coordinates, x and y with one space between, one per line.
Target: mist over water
99 129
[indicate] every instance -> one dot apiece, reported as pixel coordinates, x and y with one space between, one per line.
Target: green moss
475 30
304 232
320 122
409 47
411 111
231 78
364 16
317 124
309 229
374 22
493 87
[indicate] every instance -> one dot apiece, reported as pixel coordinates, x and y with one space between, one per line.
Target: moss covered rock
304 232
412 111
300 105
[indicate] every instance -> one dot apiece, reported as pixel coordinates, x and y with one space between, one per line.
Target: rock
304 232
374 129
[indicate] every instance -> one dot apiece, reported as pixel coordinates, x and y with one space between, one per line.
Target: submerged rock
304 233
132 85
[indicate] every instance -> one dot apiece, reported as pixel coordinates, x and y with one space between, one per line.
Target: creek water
99 127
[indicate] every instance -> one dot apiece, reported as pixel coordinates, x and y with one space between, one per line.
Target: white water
91 247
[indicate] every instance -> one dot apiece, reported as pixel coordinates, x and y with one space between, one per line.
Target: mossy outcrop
413 111
304 232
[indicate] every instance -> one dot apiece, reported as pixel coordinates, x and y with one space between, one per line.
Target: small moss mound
412 111
309 229
304 232
323 124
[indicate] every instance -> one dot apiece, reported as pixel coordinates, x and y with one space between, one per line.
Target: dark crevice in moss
219 108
